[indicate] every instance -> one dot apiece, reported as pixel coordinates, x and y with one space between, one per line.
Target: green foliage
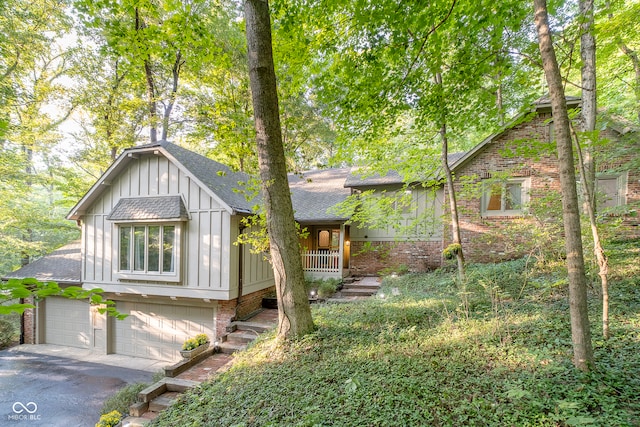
111 419
396 270
451 251
323 288
123 399
7 333
413 358
15 289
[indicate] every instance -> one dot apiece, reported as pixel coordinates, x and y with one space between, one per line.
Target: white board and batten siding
209 259
422 221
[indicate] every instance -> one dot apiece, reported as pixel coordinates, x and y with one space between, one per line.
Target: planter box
188 354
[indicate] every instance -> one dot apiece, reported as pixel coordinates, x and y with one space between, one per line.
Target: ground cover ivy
423 356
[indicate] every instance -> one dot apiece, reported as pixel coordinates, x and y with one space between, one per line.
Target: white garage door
157 331
67 322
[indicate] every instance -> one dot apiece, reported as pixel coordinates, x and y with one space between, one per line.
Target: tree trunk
598 250
589 103
175 73
633 57
580 331
294 312
151 89
587 162
453 205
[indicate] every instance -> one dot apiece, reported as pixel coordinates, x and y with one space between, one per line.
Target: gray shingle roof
149 208
230 186
357 179
62 265
314 192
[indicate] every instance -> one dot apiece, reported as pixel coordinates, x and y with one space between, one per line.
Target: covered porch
326 251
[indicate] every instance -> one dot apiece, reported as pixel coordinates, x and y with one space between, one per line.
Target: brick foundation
229 311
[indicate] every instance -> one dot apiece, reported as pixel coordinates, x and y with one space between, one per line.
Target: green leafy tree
618 33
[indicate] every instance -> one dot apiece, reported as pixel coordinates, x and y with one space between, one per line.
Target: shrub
122 400
323 287
110 419
328 287
7 333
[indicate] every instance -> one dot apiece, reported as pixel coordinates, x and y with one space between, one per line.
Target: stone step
162 402
240 337
230 348
356 285
179 385
356 292
256 327
135 421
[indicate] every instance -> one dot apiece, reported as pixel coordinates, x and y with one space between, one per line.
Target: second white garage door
157 331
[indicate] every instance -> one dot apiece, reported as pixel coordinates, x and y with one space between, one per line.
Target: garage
157 331
67 322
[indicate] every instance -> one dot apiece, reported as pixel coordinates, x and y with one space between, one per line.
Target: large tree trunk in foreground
294 312
580 331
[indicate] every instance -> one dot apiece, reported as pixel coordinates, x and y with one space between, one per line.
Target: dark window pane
125 248
154 249
168 252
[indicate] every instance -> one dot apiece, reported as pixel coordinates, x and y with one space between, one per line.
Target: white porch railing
321 261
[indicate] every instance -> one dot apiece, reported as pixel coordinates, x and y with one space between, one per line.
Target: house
516 169
496 182
159 232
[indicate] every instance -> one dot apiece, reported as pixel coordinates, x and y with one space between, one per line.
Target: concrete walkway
83 355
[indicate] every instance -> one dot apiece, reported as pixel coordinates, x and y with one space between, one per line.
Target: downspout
240 273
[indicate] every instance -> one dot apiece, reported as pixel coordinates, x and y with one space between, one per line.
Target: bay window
150 249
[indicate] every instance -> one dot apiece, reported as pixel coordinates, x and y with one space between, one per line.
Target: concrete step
240 337
356 285
357 292
163 401
230 348
256 327
135 421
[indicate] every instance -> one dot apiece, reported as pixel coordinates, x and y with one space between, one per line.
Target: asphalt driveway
44 390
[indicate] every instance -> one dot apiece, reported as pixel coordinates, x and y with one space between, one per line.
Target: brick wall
29 325
229 311
416 256
493 238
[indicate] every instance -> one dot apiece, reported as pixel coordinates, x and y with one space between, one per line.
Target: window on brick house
505 198
611 191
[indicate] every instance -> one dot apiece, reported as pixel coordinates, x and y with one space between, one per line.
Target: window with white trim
505 198
151 250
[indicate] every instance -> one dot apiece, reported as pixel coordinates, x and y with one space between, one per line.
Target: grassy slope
497 354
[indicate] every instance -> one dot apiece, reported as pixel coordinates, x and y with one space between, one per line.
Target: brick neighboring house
508 177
